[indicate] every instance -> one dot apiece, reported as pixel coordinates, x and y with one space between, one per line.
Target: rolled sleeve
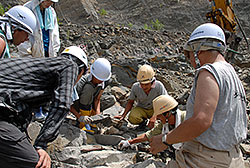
155 131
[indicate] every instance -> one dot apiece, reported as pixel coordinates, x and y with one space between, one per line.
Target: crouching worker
90 88
166 110
144 91
27 83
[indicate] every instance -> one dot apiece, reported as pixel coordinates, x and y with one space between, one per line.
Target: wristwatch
164 140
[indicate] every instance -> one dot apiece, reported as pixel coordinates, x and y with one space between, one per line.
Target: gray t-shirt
87 91
229 126
144 100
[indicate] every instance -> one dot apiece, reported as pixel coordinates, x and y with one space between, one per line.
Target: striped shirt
30 82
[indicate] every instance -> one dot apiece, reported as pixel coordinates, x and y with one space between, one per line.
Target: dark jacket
30 82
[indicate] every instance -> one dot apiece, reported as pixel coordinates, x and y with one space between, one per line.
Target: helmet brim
19 24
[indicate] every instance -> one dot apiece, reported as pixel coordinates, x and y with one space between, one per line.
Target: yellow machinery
223 15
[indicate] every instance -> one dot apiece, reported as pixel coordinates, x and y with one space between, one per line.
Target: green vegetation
118 25
59 21
130 25
2 11
146 27
103 12
157 25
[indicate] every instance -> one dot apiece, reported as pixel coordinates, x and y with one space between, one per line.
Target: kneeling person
90 88
144 92
166 110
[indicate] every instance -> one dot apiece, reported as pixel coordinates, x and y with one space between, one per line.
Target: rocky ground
123 32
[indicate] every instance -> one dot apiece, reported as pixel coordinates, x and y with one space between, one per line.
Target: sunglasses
167 114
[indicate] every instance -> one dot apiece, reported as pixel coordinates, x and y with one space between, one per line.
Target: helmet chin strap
8 30
196 59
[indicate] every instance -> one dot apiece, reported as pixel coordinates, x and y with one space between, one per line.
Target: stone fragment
113 131
108 139
118 92
106 158
68 155
114 110
107 101
105 119
69 135
148 164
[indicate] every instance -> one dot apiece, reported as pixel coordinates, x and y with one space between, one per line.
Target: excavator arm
223 15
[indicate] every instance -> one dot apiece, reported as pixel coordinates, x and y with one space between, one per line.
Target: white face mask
165 128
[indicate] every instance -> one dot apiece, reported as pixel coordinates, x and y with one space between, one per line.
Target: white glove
123 144
85 119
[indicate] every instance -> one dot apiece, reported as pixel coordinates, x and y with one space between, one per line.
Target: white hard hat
101 69
163 103
145 74
208 30
207 36
77 52
22 18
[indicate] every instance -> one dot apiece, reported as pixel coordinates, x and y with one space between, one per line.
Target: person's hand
44 159
85 119
97 112
123 144
151 124
156 144
120 117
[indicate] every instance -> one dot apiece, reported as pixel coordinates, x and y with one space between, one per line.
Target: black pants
16 151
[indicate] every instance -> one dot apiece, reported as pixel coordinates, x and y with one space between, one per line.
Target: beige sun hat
145 74
163 103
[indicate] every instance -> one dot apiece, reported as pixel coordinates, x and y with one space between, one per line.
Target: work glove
123 144
85 119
